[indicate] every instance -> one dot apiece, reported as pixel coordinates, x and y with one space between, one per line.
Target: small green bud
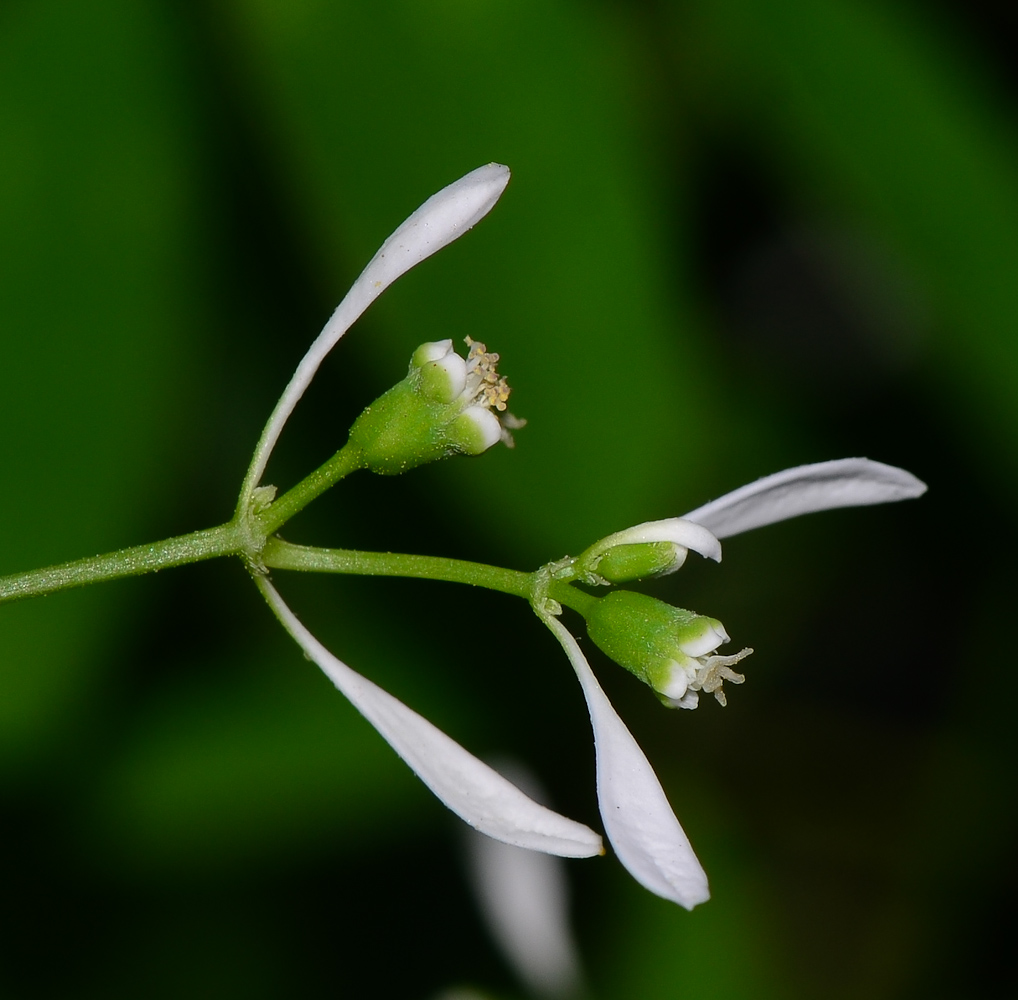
261 498
669 648
443 407
653 548
623 563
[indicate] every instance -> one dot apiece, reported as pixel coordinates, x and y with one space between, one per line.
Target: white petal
432 351
678 530
475 792
710 635
456 369
846 482
476 430
524 897
441 219
637 817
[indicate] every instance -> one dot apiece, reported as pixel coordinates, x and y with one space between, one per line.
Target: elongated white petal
475 792
441 219
845 482
524 898
637 817
677 530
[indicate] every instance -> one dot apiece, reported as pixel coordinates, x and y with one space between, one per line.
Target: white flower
640 823
470 788
637 817
444 217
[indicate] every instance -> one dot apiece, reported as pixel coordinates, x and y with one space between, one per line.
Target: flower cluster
638 819
674 651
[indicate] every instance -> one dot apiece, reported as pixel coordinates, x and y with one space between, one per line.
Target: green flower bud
634 562
653 548
668 648
443 407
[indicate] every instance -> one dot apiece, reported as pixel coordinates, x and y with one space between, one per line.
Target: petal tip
691 898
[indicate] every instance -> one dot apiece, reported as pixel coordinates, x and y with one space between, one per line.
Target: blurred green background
740 236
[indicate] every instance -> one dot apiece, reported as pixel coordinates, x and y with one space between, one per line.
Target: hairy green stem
237 539
278 554
348 459
248 535
227 539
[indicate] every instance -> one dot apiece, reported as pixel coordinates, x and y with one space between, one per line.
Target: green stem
569 596
227 539
278 554
348 459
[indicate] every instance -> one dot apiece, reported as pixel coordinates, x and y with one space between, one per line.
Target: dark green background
740 236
